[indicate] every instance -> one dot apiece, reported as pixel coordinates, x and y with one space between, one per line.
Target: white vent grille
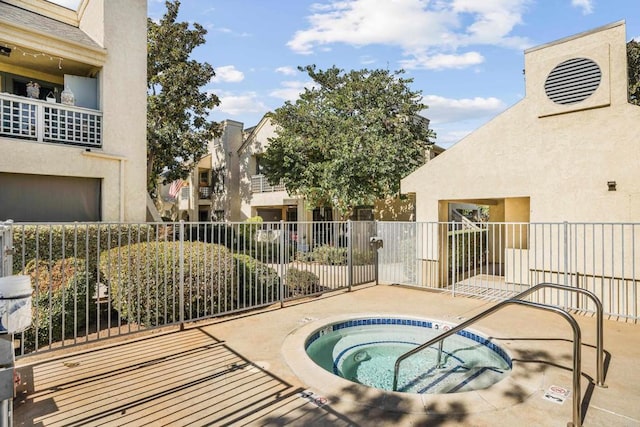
572 81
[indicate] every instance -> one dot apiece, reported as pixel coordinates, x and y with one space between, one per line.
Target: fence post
281 260
375 251
565 225
6 248
349 254
181 273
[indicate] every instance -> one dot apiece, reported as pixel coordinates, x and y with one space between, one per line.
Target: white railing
42 121
499 260
260 184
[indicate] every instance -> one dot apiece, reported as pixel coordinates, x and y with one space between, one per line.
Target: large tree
349 139
178 125
633 64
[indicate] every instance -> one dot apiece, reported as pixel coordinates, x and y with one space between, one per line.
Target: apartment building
73 111
229 184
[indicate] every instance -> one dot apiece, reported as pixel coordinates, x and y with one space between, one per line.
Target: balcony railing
204 192
42 121
259 184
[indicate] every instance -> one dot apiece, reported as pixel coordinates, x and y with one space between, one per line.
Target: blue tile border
397 321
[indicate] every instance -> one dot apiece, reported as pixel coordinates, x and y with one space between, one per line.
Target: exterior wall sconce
611 185
5 51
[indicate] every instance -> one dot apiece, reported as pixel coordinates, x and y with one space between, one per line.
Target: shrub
363 257
87 241
63 301
145 285
260 282
301 282
325 254
144 282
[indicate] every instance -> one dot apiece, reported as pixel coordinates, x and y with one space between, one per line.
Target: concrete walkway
234 371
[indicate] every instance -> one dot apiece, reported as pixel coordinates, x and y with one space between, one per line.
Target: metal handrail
599 326
577 344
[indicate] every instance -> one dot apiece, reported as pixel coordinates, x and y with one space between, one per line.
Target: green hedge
260 283
63 295
144 281
301 282
85 241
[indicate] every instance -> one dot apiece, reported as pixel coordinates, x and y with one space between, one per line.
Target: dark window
259 166
204 178
40 198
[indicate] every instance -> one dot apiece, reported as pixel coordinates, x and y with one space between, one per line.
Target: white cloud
367 60
237 104
441 61
287 71
447 110
585 5
228 73
423 29
291 89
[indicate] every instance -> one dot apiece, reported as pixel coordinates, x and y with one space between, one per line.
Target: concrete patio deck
233 371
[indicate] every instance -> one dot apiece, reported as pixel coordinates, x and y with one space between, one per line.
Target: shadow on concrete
185 378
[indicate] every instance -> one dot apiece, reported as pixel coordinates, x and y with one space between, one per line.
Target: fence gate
397 259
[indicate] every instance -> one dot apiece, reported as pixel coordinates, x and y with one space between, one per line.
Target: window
184 193
25 197
259 166
364 214
204 178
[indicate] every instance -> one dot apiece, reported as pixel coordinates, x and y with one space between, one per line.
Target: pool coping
321 382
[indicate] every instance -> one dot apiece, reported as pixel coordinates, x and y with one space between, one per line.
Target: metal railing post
577 347
181 273
281 260
350 254
6 248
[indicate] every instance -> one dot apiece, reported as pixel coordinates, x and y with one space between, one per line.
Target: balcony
204 192
41 121
260 184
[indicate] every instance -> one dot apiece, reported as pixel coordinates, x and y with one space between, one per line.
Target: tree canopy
349 139
178 127
633 65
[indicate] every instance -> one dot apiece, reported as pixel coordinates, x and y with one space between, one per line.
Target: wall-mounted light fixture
611 185
5 51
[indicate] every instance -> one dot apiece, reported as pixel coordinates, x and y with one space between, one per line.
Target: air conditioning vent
573 81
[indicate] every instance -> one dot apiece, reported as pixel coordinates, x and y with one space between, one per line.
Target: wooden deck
185 378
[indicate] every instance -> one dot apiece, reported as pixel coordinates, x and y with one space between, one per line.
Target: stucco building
551 167
229 184
568 151
80 158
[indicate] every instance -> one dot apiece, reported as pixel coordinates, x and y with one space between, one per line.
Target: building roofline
254 130
576 36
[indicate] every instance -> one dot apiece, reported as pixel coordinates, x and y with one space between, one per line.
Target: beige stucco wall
121 163
224 154
256 144
124 99
561 157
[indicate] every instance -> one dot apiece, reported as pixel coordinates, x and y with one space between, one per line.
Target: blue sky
465 56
